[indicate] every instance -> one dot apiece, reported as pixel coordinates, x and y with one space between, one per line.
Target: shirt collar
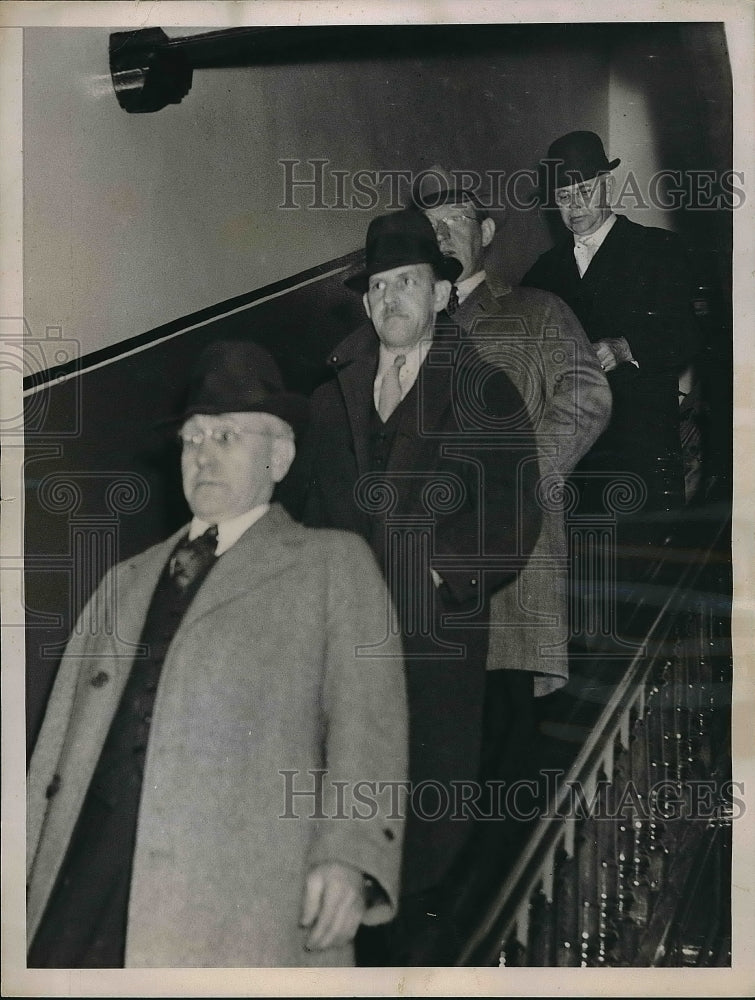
231 530
414 358
467 286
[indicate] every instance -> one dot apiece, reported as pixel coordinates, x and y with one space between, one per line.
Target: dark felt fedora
239 376
572 159
437 186
401 238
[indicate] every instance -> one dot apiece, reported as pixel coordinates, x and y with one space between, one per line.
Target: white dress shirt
229 531
585 247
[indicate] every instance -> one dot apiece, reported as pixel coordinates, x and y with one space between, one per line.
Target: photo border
17 980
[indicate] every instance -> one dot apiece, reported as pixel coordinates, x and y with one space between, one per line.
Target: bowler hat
398 239
572 159
239 376
438 186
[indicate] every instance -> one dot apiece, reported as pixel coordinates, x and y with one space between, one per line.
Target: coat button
52 788
100 679
473 582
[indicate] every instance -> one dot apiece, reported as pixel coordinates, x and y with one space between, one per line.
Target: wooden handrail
507 915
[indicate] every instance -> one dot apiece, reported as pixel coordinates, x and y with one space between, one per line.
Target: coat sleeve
577 397
366 735
501 516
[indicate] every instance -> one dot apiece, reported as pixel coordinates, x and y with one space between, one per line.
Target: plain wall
656 118
133 220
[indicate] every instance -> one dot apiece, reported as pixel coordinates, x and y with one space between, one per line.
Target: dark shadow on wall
102 477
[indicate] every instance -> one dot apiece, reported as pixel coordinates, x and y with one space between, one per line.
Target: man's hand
613 352
333 905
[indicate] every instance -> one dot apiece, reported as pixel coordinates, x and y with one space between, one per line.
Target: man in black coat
427 451
629 286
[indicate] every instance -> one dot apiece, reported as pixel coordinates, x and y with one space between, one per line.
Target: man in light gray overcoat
205 788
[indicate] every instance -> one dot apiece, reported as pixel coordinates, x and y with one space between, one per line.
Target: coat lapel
135 586
480 302
611 250
357 382
264 550
118 640
359 353
487 303
94 672
567 266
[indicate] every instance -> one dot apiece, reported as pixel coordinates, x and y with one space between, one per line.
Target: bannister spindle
642 776
565 904
587 875
703 678
540 946
605 829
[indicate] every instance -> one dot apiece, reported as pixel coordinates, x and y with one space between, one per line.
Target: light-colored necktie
390 388
583 255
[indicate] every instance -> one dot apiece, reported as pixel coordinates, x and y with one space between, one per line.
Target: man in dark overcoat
539 343
192 797
629 285
427 451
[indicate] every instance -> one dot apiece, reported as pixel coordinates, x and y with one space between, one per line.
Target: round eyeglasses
224 437
452 221
578 195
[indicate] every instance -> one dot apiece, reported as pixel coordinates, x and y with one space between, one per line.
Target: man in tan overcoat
540 344
205 790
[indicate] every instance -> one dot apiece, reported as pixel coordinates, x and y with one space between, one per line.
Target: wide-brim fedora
399 239
239 376
572 159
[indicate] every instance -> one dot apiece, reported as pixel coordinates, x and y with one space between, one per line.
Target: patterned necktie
390 388
193 559
453 301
